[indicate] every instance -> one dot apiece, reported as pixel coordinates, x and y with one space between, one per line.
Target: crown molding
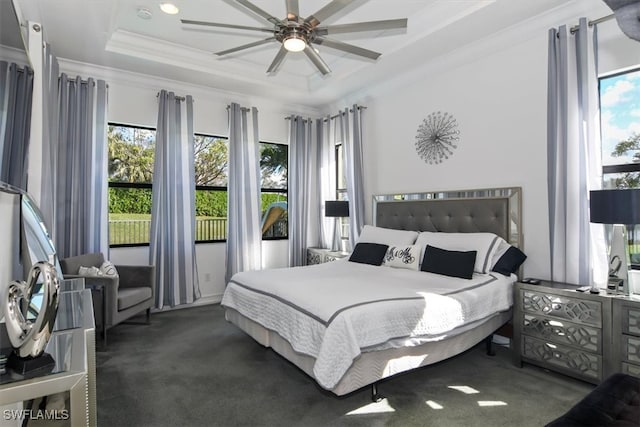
155 83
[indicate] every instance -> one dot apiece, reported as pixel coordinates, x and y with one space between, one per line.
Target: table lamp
336 209
621 208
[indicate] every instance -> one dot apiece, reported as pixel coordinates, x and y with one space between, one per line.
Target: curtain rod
241 108
359 107
594 22
179 98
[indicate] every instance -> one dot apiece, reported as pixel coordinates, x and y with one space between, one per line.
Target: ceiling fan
298 34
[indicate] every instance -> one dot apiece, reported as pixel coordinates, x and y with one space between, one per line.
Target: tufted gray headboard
495 210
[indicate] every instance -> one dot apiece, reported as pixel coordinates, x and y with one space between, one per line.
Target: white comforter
337 310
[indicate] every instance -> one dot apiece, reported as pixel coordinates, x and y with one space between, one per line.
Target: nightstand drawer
573 309
630 369
630 349
563 332
630 320
568 359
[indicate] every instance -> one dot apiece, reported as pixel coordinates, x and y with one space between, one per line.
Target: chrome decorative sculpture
437 137
31 309
30 277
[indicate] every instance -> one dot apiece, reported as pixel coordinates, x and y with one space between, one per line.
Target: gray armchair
115 298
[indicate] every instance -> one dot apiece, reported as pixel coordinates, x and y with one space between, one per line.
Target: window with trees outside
620 130
131 157
341 191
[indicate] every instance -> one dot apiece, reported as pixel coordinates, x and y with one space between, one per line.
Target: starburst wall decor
437 137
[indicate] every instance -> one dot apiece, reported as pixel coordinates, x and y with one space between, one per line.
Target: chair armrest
136 276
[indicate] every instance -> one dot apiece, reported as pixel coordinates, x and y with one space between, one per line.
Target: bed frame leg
375 396
489 343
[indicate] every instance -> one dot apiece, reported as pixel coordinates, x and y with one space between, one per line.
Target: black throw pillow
510 261
449 263
369 253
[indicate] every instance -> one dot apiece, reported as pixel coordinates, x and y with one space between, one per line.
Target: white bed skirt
370 367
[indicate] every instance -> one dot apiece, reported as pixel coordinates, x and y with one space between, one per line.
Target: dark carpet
192 368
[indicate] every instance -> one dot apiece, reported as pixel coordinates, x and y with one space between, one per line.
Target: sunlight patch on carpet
434 405
464 388
491 403
373 408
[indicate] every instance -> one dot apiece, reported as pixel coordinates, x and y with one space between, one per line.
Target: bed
350 324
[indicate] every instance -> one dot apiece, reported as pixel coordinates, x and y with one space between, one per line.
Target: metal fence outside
136 231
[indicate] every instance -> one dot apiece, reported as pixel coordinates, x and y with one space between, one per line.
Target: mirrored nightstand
320 255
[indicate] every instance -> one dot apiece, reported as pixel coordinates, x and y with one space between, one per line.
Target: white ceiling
109 33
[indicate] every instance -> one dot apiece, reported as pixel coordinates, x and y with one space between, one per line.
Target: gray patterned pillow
89 271
108 269
403 257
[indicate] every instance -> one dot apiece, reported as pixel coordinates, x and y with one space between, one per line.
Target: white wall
497 91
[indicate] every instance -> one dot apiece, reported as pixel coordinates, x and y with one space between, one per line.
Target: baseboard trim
206 300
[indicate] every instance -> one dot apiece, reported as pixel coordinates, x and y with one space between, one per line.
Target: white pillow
108 269
485 245
89 271
403 257
387 236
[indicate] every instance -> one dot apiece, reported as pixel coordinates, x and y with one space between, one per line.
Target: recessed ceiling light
144 13
169 8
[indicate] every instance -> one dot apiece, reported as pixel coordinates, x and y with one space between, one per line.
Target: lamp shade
336 208
615 206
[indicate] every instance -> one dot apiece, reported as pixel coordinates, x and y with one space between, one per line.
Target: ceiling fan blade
277 60
345 47
245 46
257 10
317 60
293 10
388 24
216 24
330 9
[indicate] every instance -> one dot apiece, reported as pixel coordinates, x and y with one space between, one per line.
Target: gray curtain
577 250
350 133
16 89
80 167
46 192
244 237
302 202
172 237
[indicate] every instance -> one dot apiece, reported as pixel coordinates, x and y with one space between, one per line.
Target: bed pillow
485 245
89 271
369 253
449 263
509 261
387 236
403 257
108 269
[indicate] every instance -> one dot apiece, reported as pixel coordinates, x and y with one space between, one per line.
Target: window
274 168
131 157
341 192
620 129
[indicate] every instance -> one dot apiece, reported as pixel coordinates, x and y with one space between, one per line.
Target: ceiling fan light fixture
294 43
169 8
